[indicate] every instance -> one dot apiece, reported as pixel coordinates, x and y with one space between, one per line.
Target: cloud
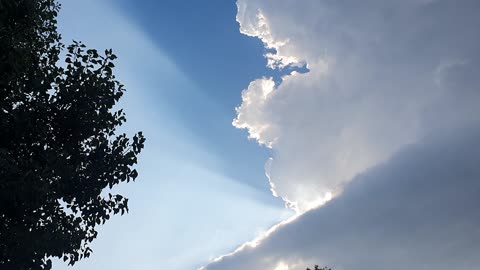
385 119
382 75
417 210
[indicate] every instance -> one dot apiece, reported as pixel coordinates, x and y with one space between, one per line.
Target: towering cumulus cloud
382 74
385 119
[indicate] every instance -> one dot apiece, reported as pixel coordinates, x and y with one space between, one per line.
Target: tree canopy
60 151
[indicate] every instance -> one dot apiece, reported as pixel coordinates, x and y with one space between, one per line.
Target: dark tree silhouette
318 268
59 149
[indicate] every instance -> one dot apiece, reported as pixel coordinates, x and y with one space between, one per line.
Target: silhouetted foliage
59 149
318 268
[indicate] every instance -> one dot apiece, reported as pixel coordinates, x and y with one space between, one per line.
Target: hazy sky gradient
199 177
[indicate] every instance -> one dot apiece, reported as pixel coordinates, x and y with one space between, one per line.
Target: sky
199 177
283 134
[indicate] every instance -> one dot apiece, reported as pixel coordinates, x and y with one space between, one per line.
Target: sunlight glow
281 266
257 241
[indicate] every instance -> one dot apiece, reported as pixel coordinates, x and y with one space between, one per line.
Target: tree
318 268
60 153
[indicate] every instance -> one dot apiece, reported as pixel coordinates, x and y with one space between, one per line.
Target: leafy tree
60 153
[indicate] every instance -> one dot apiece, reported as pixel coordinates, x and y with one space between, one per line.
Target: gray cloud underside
419 210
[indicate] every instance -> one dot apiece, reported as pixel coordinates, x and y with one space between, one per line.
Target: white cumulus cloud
381 75
385 120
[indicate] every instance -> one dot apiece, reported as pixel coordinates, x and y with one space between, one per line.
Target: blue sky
362 119
218 61
202 189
